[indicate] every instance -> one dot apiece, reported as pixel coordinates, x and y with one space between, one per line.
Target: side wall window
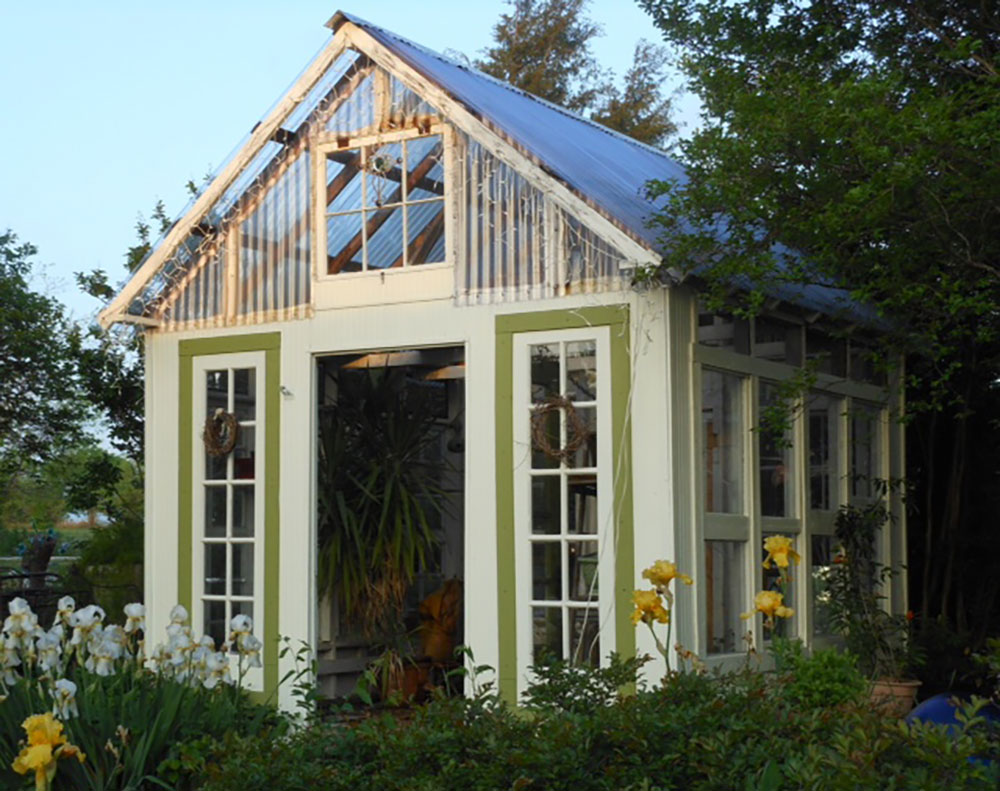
228 492
563 497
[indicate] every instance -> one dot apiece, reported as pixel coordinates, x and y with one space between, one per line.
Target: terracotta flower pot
896 697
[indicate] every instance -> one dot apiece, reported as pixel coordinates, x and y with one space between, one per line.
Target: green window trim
270 344
617 319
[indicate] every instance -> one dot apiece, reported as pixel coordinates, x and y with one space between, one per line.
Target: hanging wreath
576 429
380 162
220 433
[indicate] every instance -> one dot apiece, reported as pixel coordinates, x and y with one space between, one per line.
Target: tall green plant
377 494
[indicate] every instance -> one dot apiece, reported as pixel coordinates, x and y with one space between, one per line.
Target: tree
543 47
865 137
42 408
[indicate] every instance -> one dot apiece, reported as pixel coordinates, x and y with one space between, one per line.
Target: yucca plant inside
379 499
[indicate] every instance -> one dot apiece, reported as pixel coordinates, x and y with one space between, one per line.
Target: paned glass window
385 206
722 441
565 586
824 438
724 596
777 462
230 503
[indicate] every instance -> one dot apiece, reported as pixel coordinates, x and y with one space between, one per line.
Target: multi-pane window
722 441
564 492
230 496
776 460
385 205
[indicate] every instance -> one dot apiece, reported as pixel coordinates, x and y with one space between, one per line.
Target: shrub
826 678
705 733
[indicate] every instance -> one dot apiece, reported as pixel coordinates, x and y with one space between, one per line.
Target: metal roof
606 168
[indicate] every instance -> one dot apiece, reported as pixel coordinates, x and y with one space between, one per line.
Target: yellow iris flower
648 608
770 604
779 549
46 744
662 572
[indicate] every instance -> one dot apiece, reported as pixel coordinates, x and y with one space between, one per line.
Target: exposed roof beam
448 372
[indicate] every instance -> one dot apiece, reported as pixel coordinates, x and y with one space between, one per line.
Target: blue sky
108 106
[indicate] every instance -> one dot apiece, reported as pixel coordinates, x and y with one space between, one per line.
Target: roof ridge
354 19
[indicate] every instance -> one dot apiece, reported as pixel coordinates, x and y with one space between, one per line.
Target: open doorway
390 517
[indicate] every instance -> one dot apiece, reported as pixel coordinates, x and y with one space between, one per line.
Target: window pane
425 233
546 628
824 422
243 454
724 596
383 174
245 393
424 168
343 180
722 442
864 451
385 238
724 332
215 467
829 353
582 504
545 505
581 371
242 569
777 340
783 627
215 511
215 621
217 388
584 646
821 561
582 570
546 571
544 371
215 569
777 490
243 511
546 442
581 436
344 243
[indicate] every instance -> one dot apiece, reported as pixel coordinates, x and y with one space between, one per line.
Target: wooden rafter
336 263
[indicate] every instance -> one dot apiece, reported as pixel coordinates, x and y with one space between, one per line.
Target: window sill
424 283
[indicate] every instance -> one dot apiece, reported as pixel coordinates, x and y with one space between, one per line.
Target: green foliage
544 47
563 686
696 733
42 409
826 678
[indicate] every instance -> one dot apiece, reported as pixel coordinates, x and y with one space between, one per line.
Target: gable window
385 205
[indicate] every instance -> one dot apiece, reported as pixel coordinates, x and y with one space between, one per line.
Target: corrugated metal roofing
604 167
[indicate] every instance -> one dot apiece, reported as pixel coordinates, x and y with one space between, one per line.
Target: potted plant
378 497
881 641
